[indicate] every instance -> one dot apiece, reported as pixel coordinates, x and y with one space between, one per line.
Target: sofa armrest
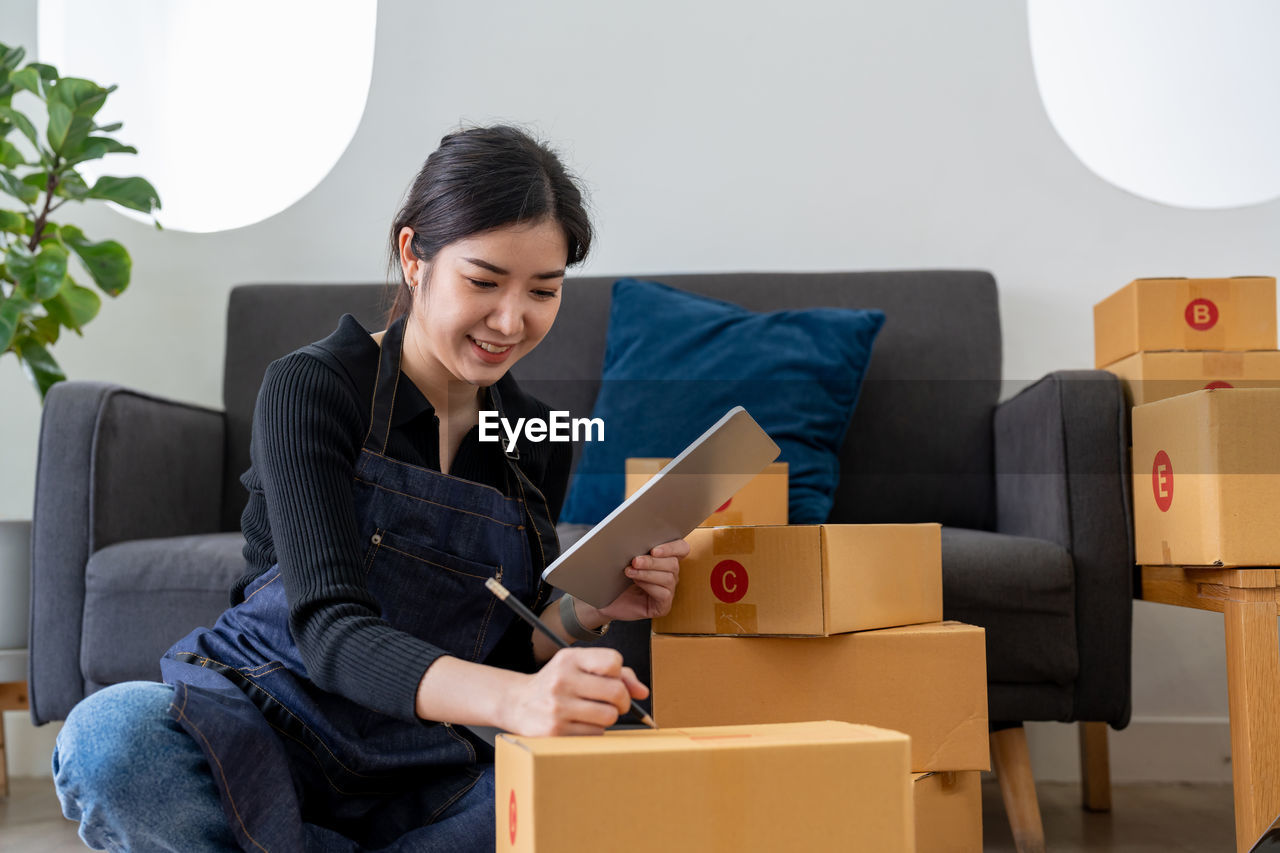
113 465
1061 453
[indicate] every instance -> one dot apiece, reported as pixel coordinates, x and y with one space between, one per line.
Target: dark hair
484 178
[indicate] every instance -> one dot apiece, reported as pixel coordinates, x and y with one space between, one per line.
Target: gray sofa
138 500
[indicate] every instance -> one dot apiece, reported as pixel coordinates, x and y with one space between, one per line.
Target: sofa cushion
675 362
143 596
1022 591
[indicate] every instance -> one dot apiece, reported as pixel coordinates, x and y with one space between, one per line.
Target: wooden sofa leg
1012 763
1095 767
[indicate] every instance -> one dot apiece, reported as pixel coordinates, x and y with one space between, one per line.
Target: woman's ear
411 265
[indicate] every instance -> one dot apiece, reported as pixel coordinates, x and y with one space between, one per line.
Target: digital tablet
669 506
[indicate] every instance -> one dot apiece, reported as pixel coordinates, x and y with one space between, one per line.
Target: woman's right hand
580 691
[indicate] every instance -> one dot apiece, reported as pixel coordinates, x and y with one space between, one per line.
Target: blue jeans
133 778
137 782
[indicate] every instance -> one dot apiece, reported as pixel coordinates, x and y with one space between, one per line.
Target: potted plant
39 298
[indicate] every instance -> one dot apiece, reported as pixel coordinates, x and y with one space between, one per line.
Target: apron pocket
438 597
432 556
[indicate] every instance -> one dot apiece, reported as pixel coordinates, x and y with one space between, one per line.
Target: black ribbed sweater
309 422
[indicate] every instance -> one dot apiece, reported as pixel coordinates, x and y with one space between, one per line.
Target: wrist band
569 618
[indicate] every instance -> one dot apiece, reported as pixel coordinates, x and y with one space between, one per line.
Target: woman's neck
453 400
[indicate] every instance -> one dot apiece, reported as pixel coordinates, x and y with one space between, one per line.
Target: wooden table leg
4 773
1253 687
1095 767
1012 763
13 697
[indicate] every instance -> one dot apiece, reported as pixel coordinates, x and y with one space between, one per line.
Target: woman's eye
482 284
545 294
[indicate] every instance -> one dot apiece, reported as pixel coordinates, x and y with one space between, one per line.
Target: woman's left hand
654 588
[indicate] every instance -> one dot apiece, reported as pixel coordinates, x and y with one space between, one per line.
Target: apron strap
536 510
518 483
384 389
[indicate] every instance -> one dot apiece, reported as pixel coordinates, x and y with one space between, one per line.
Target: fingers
595 660
635 686
581 692
666 565
657 577
595 675
676 548
663 558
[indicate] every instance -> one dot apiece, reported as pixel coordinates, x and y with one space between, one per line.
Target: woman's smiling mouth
489 352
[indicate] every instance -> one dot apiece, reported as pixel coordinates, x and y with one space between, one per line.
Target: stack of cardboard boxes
1199 363
779 623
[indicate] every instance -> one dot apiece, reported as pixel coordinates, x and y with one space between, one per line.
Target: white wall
721 136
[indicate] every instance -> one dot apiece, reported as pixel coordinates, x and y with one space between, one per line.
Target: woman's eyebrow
497 270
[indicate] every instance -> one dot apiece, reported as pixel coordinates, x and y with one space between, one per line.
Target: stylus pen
527 615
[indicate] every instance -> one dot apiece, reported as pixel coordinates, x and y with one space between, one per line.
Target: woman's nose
506 318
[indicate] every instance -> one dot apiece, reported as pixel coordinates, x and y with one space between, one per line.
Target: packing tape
733 540
1222 365
736 619
1165 552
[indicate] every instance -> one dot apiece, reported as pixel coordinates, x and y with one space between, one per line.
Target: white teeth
490 347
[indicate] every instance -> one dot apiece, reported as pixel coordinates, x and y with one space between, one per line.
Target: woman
306 718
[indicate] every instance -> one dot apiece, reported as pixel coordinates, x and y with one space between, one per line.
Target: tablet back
669 506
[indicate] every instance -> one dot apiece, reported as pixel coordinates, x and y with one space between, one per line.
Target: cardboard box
761 501
1206 479
807 579
1151 376
948 807
1185 314
929 681
805 786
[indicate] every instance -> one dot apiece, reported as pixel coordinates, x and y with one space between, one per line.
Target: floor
1144 818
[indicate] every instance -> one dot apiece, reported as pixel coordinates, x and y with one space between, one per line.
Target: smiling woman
332 696
474 329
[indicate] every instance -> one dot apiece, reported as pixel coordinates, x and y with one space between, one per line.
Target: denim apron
302 769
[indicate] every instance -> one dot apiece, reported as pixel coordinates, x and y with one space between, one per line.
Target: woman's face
488 299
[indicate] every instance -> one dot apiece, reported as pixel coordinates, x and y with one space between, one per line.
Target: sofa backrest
919 447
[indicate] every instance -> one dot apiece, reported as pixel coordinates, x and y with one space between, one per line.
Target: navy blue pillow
675 362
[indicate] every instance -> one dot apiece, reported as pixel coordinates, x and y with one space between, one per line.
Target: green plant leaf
71 185
10 156
40 366
11 57
21 265
68 129
14 223
8 324
39 180
59 129
99 146
133 193
47 329
51 269
21 122
82 97
73 306
11 311
10 184
108 262
28 78
47 73
108 128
